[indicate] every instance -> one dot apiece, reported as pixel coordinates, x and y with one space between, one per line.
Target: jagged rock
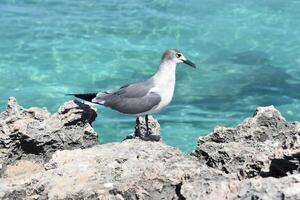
255 188
141 132
136 169
35 134
268 188
133 169
257 160
263 145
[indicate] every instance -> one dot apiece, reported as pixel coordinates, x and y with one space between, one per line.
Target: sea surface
247 53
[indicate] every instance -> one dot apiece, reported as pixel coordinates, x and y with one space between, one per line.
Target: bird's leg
146 120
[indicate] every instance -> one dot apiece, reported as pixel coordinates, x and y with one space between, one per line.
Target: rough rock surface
34 134
141 132
136 169
263 145
133 169
257 160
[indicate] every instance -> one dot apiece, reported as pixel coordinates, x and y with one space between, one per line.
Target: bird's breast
166 91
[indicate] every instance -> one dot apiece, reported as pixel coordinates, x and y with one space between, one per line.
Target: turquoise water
247 52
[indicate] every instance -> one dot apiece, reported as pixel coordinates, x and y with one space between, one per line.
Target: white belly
166 98
164 81
166 92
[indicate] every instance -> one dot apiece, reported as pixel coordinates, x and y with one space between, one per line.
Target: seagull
144 97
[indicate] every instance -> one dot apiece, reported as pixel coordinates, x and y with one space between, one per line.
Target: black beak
190 63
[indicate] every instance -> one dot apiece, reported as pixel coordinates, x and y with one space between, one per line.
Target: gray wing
134 90
131 99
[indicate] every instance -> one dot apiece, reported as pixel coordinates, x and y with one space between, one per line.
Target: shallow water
247 54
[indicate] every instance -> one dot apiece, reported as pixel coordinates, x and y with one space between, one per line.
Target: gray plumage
130 99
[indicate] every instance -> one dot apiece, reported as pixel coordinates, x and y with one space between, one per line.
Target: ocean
247 53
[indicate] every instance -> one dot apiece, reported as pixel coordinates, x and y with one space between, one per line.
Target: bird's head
175 56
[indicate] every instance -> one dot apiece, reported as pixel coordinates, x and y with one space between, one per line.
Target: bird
144 97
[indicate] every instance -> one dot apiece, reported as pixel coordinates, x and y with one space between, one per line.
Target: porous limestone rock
133 169
263 145
141 131
259 159
35 134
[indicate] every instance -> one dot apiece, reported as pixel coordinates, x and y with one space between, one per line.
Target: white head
175 56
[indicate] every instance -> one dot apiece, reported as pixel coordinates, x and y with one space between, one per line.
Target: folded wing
130 99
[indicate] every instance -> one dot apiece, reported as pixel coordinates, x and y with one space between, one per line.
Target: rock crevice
263 145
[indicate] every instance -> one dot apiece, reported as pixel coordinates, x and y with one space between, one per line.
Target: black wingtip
87 97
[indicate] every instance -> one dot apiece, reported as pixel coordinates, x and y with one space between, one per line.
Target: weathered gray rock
136 169
257 160
263 145
133 169
255 188
141 132
35 134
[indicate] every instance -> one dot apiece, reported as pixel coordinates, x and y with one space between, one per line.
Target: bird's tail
87 96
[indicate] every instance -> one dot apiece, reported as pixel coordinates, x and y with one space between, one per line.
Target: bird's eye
178 55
